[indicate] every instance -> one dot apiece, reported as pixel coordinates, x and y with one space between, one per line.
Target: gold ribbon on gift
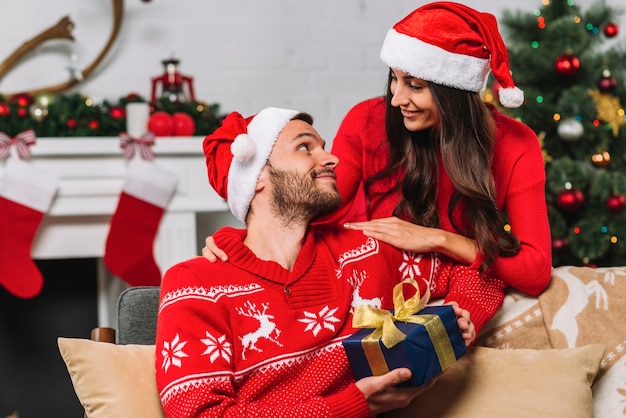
385 329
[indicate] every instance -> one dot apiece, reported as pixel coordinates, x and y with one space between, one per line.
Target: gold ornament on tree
601 159
609 110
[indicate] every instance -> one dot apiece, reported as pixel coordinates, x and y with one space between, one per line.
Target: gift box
427 342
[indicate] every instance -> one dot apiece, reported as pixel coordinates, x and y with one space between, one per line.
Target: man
261 334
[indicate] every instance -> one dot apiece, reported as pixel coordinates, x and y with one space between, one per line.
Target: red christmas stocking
145 194
25 195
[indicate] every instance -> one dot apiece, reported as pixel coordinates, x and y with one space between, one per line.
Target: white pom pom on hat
453 45
243 147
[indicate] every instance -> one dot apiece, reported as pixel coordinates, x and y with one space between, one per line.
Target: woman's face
414 99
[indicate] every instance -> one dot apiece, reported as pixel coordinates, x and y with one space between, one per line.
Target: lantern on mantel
172 84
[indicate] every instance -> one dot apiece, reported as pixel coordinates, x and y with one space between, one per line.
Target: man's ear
263 180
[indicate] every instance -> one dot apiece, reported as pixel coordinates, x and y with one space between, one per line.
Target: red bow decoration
22 141
144 143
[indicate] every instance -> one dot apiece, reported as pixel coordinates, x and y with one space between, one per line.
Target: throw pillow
112 380
512 383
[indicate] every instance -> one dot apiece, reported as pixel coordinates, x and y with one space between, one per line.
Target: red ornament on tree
616 203
570 200
567 65
161 124
559 244
611 30
22 112
608 83
71 123
184 125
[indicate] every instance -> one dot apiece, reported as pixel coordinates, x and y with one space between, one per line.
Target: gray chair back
137 310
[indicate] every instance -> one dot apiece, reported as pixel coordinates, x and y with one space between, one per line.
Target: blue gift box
424 356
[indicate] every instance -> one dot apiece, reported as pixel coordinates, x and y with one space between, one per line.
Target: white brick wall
320 56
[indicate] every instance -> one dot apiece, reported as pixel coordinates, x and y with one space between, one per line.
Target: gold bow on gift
383 321
367 316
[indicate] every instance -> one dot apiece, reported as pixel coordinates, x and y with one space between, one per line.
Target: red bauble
570 200
161 124
71 123
184 125
616 203
559 244
22 112
5 110
94 124
23 99
607 84
567 65
611 30
117 112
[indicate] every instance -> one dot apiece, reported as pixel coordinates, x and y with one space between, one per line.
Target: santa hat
237 152
453 45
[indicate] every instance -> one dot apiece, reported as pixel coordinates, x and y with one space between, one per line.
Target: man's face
302 174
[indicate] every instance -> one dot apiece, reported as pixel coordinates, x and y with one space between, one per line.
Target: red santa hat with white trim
237 152
453 45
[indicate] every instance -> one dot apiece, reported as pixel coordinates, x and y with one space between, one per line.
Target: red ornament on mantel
117 112
5 110
616 203
567 65
184 125
161 124
570 200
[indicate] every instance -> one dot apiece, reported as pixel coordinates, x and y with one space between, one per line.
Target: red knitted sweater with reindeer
250 338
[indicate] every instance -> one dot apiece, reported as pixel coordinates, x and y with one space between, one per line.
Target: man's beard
298 197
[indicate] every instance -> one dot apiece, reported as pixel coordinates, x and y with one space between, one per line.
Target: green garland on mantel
76 115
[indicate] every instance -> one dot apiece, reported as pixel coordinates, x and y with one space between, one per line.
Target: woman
444 163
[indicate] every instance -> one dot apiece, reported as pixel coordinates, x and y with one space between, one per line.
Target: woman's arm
410 237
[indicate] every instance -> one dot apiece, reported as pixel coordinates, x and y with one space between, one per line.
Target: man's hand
468 331
383 394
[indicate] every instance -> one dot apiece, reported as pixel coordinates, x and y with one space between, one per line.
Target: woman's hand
212 252
416 238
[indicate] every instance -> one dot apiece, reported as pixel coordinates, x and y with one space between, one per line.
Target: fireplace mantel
91 172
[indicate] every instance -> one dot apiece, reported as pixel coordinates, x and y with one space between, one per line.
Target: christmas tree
573 80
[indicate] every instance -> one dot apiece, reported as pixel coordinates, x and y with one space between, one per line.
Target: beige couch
562 354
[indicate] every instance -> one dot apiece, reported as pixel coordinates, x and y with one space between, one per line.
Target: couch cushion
112 380
522 383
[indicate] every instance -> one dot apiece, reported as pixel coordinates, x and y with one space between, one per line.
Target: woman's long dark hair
465 137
